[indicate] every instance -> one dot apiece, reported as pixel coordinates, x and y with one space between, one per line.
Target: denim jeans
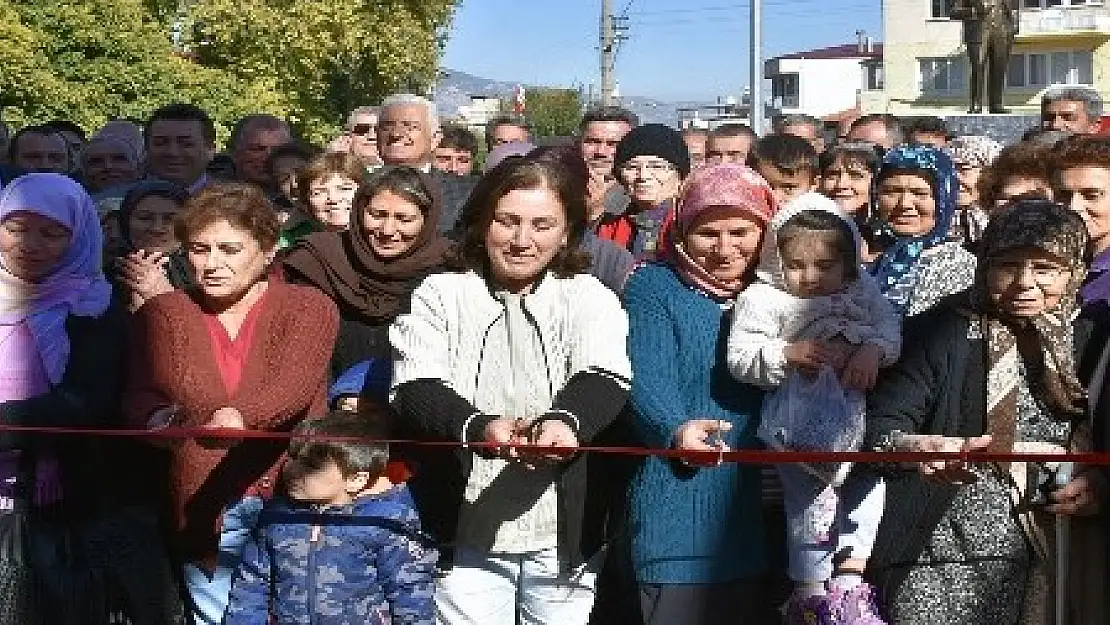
492 589
208 590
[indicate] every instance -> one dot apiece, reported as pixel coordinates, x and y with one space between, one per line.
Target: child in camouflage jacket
345 546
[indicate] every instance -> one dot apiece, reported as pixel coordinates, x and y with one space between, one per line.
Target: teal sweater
689 526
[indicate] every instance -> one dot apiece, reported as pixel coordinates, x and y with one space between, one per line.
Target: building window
872 76
942 9
785 92
943 76
1040 69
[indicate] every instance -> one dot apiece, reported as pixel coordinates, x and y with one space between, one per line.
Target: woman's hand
502 433
808 355
1081 496
223 419
547 434
144 275
945 471
702 435
862 369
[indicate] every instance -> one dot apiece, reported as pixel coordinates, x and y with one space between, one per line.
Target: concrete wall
825 86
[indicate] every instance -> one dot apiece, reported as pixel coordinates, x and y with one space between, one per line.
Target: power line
744 5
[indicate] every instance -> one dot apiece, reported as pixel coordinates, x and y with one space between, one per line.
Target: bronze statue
989 30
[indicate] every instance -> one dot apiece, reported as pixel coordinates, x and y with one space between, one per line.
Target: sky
676 49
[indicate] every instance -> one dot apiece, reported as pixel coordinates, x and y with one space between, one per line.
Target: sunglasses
362 129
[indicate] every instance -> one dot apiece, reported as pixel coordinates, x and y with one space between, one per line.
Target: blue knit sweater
689 526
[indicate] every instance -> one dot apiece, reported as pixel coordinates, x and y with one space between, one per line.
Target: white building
826 81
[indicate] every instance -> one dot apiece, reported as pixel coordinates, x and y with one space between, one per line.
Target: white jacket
766 318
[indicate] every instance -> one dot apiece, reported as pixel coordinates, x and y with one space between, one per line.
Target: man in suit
408 132
989 30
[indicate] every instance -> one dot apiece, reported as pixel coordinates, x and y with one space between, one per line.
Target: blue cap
369 378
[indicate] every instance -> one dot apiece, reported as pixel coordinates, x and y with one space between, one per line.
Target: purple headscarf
77 285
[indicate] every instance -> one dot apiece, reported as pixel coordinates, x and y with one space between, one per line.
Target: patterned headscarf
1043 343
974 150
900 255
726 185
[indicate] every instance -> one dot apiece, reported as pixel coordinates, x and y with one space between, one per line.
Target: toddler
343 546
814 313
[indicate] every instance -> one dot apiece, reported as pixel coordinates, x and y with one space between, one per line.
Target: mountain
455 88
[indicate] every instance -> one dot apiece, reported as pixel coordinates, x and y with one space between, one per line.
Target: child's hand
807 354
862 369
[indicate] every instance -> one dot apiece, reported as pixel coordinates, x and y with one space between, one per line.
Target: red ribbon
746 456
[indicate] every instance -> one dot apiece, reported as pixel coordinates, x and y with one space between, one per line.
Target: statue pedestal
1006 128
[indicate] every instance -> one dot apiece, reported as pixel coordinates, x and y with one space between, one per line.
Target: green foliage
309 61
330 56
553 112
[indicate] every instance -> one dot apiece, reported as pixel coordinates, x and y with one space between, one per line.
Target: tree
100 59
329 56
553 112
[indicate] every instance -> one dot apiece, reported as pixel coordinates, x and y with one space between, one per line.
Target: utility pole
613 28
608 50
755 91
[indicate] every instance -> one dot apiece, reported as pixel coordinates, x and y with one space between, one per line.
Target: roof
846 51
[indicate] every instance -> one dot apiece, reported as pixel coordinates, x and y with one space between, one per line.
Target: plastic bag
814 413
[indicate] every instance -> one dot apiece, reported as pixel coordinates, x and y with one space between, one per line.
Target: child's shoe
857 605
801 610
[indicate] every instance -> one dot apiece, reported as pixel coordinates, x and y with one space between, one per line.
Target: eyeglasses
655 170
362 129
1043 273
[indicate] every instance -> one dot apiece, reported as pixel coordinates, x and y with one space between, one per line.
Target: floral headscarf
974 150
1043 343
896 264
732 185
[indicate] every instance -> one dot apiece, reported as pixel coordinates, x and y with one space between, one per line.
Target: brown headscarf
1044 344
343 265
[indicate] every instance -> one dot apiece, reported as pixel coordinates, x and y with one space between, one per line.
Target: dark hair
1081 151
828 225
1026 160
458 138
13 145
894 126
260 121
506 120
138 193
294 149
732 130
855 152
926 124
368 454
608 114
182 112
327 164
570 157
402 181
515 174
782 121
244 206
787 153
65 125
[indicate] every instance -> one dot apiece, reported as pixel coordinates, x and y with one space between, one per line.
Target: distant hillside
455 89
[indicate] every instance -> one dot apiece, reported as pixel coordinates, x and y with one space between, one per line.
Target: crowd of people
226 342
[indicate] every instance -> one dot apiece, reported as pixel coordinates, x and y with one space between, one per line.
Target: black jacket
88 396
938 387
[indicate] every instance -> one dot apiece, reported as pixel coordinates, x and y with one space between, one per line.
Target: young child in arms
813 311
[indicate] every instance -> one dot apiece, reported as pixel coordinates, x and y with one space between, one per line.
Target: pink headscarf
76 287
727 185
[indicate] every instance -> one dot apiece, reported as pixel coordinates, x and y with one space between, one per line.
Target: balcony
1050 24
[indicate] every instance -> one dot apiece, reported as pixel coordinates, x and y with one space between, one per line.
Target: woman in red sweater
218 356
